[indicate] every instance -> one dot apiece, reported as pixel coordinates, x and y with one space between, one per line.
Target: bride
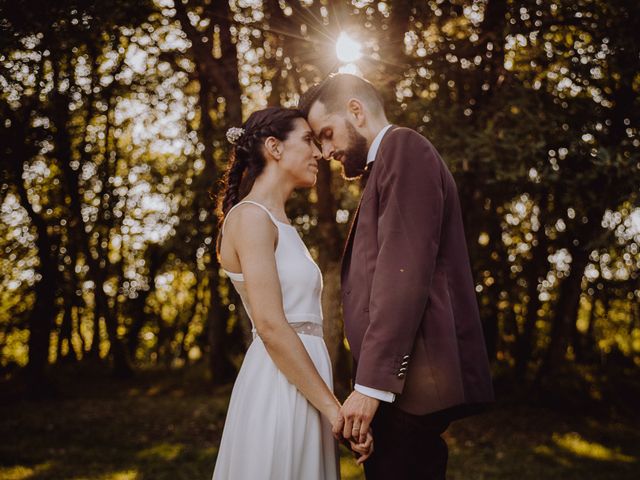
282 407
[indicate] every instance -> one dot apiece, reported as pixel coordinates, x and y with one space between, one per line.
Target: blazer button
404 364
406 357
401 375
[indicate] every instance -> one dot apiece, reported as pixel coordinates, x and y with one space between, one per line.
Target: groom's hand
357 412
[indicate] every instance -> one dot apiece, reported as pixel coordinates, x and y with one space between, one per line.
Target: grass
167 426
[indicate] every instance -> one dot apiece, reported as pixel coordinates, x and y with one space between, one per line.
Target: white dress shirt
368 391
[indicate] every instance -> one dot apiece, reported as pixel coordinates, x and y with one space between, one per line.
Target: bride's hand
337 422
364 449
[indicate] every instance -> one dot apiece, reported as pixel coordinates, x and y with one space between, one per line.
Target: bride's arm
254 237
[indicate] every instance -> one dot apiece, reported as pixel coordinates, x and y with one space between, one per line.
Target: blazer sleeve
410 214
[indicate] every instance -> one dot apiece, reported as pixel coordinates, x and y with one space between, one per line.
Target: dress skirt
271 431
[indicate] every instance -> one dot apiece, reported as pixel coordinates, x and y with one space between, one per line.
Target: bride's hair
246 159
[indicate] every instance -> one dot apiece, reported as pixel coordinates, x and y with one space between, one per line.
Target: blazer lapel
346 254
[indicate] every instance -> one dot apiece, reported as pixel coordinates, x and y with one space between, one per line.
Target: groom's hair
335 90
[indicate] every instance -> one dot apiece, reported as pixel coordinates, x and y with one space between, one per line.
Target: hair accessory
234 134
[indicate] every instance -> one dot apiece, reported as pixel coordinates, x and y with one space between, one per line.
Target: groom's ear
355 112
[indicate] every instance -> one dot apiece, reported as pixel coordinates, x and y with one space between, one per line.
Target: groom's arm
410 213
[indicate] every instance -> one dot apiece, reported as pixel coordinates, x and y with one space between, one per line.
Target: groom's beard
355 155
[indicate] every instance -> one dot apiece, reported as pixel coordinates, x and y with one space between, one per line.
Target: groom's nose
328 150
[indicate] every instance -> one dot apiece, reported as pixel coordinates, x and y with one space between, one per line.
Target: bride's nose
317 154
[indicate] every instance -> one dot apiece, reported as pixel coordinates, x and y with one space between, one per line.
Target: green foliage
112 140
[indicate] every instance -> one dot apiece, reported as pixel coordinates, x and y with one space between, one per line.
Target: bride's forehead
301 126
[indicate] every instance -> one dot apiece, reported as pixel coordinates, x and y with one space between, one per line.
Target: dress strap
273 219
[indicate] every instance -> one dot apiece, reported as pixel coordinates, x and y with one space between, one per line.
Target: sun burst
347 49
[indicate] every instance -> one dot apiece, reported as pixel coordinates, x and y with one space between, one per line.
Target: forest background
117 325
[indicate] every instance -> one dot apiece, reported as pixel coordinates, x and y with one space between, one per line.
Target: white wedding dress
271 430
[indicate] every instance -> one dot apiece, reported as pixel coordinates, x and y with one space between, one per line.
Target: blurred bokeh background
120 337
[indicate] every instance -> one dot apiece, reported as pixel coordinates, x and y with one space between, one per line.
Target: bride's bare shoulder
249 220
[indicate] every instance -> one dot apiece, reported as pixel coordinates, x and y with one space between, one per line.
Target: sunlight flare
347 49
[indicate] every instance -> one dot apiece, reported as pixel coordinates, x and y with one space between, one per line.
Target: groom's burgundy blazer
409 304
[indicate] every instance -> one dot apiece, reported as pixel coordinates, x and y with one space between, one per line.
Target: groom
408 296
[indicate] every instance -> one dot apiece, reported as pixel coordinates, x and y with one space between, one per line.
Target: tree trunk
491 296
221 368
525 342
41 318
330 257
536 269
217 73
97 267
154 259
66 333
566 312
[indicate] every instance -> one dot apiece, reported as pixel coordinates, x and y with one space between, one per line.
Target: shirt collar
373 149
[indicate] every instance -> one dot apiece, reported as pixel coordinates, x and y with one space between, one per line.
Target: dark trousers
407 447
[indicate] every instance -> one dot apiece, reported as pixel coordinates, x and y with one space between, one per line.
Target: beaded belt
304 328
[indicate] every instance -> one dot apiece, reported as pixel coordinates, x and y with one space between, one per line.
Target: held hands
352 424
364 449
